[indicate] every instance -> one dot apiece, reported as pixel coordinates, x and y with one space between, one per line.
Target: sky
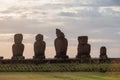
97 19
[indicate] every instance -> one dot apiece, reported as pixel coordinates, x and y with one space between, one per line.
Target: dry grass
59 76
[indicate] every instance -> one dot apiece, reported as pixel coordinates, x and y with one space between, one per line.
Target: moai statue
61 44
83 50
18 47
103 55
39 47
1 57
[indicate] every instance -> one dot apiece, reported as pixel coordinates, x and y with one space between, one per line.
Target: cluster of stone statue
61 44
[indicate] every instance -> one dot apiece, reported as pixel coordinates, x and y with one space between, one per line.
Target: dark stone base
1 57
104 60
46 61
61 57
18 58
38 57
84 58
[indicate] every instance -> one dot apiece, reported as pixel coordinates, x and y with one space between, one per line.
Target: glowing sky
99 19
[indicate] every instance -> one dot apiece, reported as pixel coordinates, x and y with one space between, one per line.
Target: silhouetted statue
39 47
18 47
103 55
1 57
61 45
83 49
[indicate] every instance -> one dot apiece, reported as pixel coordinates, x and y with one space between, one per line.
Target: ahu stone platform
44 61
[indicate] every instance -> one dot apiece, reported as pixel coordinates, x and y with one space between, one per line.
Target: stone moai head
62 35
103 50
83 39
58 33
18 38
39 37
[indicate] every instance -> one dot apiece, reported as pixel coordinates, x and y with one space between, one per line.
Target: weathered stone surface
103 55
39 47
83 39
18 47
61 44
103 50
1 57
83 49
18 38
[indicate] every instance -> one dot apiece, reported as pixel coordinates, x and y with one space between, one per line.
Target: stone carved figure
103 55
1 57
39 47
83 50
61 44
18 47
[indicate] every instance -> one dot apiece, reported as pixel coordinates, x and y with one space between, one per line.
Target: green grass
61 67
59 76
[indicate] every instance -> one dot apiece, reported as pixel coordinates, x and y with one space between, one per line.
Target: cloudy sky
98 19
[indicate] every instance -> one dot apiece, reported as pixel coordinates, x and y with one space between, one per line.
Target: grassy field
59 76
61 67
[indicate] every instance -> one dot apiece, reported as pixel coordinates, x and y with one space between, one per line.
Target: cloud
106 2
101 41
94 3
85 12
27 38
92 12
50 10
110 12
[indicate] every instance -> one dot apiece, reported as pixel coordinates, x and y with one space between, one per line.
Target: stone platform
72 60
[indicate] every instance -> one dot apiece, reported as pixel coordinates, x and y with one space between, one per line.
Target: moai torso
39 47
83 49
18 47
61 45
